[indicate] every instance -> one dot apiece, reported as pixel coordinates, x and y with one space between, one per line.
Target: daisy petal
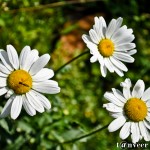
94 36
13 56
103 70
118 71
4 70
110 97
125 131
35 103
39 64
132 52
93 59
116 124
111 28
118 23
24 56
119 64
45 102
112 107
6 110
108 64
48 86
16 107
104 26
86 38
119 95
135 133
5 60
124 47
3 82
116 115
138 89
146 95
123 57
147 124
144 132
32 57
3 90
43 74
98 28
27 106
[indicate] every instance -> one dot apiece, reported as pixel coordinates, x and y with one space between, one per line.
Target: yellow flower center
19 81
106 47
135 109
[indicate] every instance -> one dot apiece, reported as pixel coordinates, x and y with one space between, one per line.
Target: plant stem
86 135
86 52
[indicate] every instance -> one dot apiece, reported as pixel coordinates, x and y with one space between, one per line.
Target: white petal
146 95
119 64
48 86
116 115
147 124
103 70
4 70
35 103
27 106
116 124
93 59
32 57
138 89
110 97
94 36
111 28
5 60
124 47
3 82
3 75
43 74
125 40
118 23
45 102
144 132
125 131
9 93
119 33
16 107
24 56
3 90
119 95
86 38
103 24
39 64
109 65
132 52
98 28
13 56
135 133
6 110
126 88
118 71
123 57
112 107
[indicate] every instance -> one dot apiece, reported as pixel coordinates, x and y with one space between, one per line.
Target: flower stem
86 135
86 52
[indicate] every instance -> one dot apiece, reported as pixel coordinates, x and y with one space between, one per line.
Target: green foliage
77 109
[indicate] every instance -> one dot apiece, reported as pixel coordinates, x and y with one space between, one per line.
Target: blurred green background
56 27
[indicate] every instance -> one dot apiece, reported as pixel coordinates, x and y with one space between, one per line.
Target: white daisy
110 45
131 111
21 80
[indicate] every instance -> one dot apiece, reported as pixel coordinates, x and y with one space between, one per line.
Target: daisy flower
22 79
110 45
131 110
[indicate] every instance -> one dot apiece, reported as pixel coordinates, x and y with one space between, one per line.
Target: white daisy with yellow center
110 45
22 79
131 111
